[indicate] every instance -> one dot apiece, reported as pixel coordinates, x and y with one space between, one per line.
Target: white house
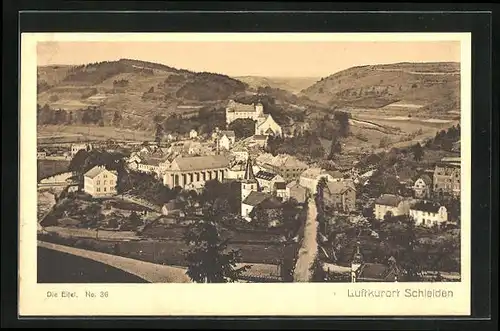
267 180
310 178
226 139
428 213
193 134
239 153
236 110
75 148
100 182
266 125
394 204
237 170
422 187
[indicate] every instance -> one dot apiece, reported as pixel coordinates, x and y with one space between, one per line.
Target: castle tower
259 109
356 263
249 183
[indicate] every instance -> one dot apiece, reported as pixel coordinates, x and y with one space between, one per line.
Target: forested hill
136 90
429 86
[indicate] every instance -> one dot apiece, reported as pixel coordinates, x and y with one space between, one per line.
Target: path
153 273
309 249
92 233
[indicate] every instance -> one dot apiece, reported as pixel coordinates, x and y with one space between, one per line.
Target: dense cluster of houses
425 207
266 180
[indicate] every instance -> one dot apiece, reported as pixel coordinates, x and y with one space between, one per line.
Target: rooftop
256 198
227 133
389 200
95 171
339 187
240 107
426 206
193 163
265 175
427 179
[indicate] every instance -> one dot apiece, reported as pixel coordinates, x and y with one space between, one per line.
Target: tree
93 214
418 152
159 133
209 260
317 272
335 148
242 127
134 219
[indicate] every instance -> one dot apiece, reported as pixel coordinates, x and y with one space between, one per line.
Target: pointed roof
358 257
249 175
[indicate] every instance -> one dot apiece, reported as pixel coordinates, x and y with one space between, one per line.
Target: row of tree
89 115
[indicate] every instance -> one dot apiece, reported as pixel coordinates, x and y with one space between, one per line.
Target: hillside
426 87
136 90
291 84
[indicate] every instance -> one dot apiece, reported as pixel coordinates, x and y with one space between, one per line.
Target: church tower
356 263
249 183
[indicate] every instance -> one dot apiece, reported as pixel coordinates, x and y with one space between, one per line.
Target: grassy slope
424 84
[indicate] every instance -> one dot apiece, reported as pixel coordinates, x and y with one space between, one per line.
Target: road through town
309 249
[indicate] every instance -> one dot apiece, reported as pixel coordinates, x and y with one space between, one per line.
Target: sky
252 58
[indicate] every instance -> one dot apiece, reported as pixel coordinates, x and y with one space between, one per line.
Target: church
264 123
252 196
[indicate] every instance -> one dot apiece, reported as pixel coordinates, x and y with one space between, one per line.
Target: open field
46 168
75 133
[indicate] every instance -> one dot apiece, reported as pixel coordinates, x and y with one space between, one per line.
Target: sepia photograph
249 160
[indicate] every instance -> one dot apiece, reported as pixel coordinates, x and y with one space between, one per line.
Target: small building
422 187
260 140
311 177
150 165
264 200
237 170
100 182
362 271
226 139
267 180
340 196
428 214
287 166
390 203
172 208
41 155
279 190
193 134
296 192
266 125
240 153
446 177
75 148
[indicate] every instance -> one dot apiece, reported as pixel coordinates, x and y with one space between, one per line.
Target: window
98 182
98 189
104 189
104 182
105 176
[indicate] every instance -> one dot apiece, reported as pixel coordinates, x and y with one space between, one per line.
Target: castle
264 123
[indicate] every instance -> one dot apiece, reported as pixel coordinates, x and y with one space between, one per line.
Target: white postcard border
327 299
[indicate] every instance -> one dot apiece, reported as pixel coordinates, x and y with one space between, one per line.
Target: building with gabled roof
427 213
340 196
422 187
186 170
267 180
236 110
100 182
362 271
390 203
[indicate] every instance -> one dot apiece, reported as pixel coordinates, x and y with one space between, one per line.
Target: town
390 215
